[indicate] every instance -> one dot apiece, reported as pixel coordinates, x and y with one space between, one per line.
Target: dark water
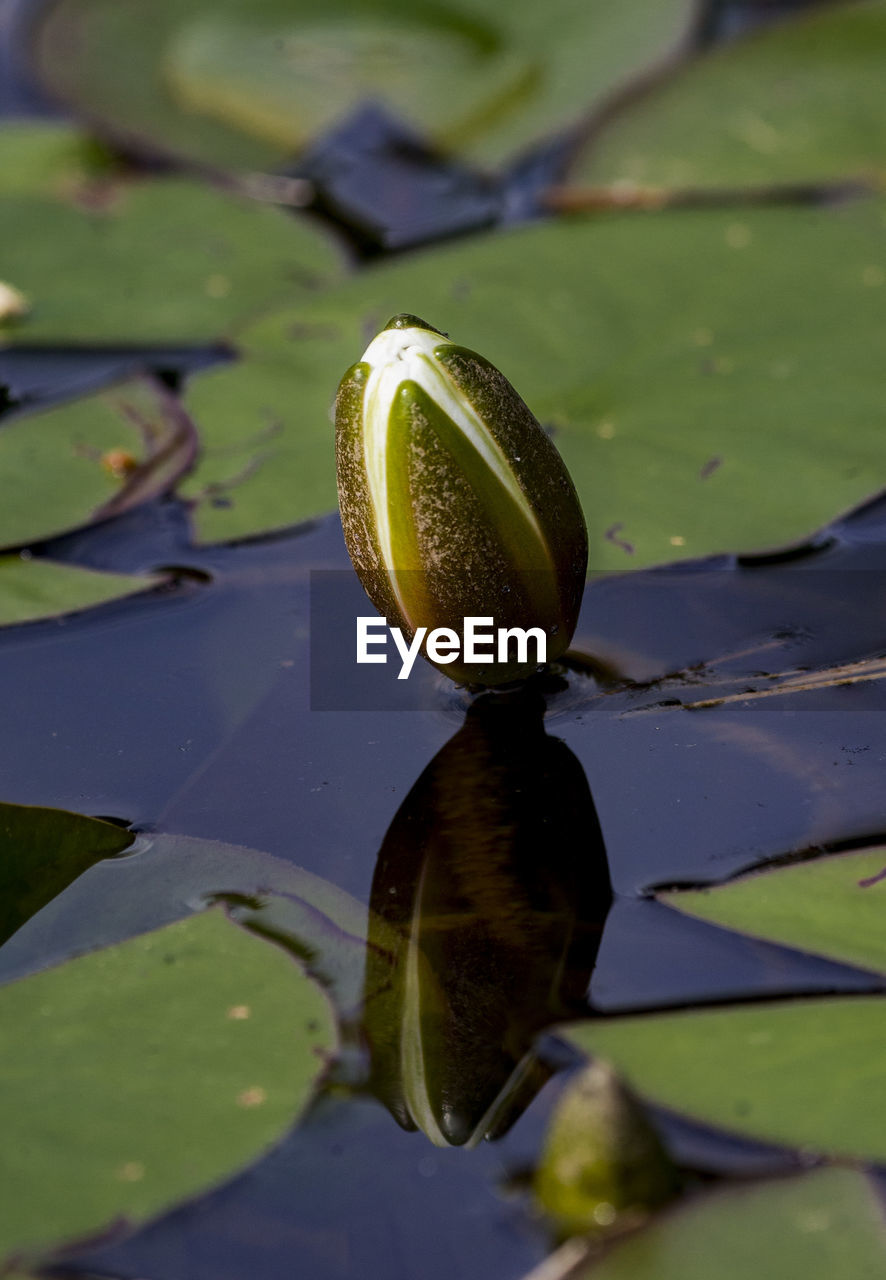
190 710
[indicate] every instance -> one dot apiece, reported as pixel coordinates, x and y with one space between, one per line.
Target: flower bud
454 502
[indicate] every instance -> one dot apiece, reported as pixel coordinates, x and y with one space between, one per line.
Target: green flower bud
454 502
603 1164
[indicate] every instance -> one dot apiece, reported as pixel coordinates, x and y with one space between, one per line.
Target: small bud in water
454 502
602 1162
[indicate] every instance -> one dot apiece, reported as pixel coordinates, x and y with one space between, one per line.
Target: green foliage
237 84
31 589
682 360
169 877
818 1226
106 260
803 1075
800 102
91 458
833 906
197 1031
41 852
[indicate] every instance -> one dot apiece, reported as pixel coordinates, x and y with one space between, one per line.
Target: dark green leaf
137 1076
824 1224
31 589
162 260
803 1075
801 102
713 379
834 906
41 852
91 459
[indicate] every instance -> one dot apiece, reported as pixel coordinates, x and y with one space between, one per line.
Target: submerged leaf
139 1075
170 877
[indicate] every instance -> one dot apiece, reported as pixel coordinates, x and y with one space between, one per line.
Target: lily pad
244 84
818 1226
802 1074
834 906
159 260
170 877
90 459
32 589
41 852
799 102
713 380
144 1073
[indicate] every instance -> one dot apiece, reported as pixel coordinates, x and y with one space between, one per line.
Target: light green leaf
243 84
805 1074
818 1226
713 380
169 877
834 906
800 102
31 589
41 852
90 459
161 260
137 1076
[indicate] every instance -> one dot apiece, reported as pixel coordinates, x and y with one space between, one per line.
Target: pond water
196 710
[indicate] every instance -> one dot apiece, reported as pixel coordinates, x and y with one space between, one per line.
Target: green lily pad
161 260
834 906
713 379
244 84
32 589
90 459
800 102
170 877
41 852
144 1073
823 1224
804 1074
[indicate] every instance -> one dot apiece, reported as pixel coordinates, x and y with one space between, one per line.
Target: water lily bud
455 503
603 1163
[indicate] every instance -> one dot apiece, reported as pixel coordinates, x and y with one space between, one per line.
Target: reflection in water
488 904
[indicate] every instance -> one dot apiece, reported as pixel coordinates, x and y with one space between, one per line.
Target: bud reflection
487 907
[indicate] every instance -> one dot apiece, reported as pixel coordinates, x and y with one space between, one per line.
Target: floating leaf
801 101
144 1073
804 1074
90 459
31 588
41 852
817 1226
162 260
170 877
833 906
237 84
687 363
